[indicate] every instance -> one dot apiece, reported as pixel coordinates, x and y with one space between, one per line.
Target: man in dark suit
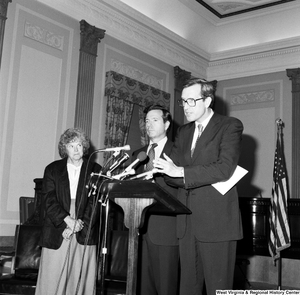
202 156
159 247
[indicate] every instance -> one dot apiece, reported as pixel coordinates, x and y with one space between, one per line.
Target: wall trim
136 74
140 33
43 35
254 64
131 27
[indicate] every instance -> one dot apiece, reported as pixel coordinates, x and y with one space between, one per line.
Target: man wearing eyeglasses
206 151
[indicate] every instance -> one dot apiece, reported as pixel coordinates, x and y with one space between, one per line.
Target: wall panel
38 100
258 101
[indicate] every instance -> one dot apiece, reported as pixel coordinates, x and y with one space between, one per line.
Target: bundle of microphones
119 160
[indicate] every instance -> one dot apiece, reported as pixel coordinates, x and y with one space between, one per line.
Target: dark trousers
159 269
209 263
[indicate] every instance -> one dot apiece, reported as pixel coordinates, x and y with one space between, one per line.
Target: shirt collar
160 143
205 122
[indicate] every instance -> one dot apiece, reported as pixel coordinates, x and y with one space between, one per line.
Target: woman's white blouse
73 172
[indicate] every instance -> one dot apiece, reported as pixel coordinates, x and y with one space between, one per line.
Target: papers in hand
224 186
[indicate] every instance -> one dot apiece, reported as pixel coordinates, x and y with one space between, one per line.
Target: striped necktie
151 155
200 130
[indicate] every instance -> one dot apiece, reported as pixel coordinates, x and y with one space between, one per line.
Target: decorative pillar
294 75
90 36
181 76
3 14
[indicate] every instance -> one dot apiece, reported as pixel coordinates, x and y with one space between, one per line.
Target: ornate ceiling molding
215 20
139 35
254 64
138 31
224 8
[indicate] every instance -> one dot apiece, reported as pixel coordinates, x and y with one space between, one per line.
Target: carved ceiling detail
146 35
225 8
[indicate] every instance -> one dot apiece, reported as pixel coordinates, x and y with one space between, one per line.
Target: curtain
122 93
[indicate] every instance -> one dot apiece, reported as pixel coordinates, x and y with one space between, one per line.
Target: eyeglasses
190 101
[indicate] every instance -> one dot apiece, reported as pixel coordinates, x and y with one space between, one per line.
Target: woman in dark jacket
70 230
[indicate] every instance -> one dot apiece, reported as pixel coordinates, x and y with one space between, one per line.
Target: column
294 75
3 14
90 36
181 76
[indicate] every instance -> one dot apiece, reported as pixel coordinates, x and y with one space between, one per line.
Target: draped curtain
122 93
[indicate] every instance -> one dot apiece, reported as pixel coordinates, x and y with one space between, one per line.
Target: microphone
129 171
89 183
145 174
119 161
140 158
123 174
115 149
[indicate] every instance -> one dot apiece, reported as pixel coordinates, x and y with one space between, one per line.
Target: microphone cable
94 207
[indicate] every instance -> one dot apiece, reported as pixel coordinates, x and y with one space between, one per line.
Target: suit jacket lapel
81 179
187 141
81 198
209 132
64 178
167 148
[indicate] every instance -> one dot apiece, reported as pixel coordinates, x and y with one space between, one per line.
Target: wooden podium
134 196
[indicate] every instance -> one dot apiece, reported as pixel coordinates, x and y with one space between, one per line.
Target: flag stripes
279 226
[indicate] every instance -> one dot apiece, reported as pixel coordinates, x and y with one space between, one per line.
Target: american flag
279 226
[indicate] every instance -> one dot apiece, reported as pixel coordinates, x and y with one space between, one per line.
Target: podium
133 196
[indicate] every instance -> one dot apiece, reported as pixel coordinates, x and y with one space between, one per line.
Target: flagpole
279 132
279 273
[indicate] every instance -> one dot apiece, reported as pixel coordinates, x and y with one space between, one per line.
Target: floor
261 286
240 282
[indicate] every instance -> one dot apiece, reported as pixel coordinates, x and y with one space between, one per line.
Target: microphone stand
103 230
104 248
93 191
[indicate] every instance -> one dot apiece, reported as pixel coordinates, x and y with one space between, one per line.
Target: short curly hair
71 135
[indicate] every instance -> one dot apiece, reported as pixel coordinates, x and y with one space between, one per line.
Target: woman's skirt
69 270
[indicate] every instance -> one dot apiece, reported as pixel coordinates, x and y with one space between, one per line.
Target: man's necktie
151 155
200 130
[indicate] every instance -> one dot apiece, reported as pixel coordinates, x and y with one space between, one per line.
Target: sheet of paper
224 186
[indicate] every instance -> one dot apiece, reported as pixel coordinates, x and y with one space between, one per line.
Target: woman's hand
73 224
168 167
67 233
